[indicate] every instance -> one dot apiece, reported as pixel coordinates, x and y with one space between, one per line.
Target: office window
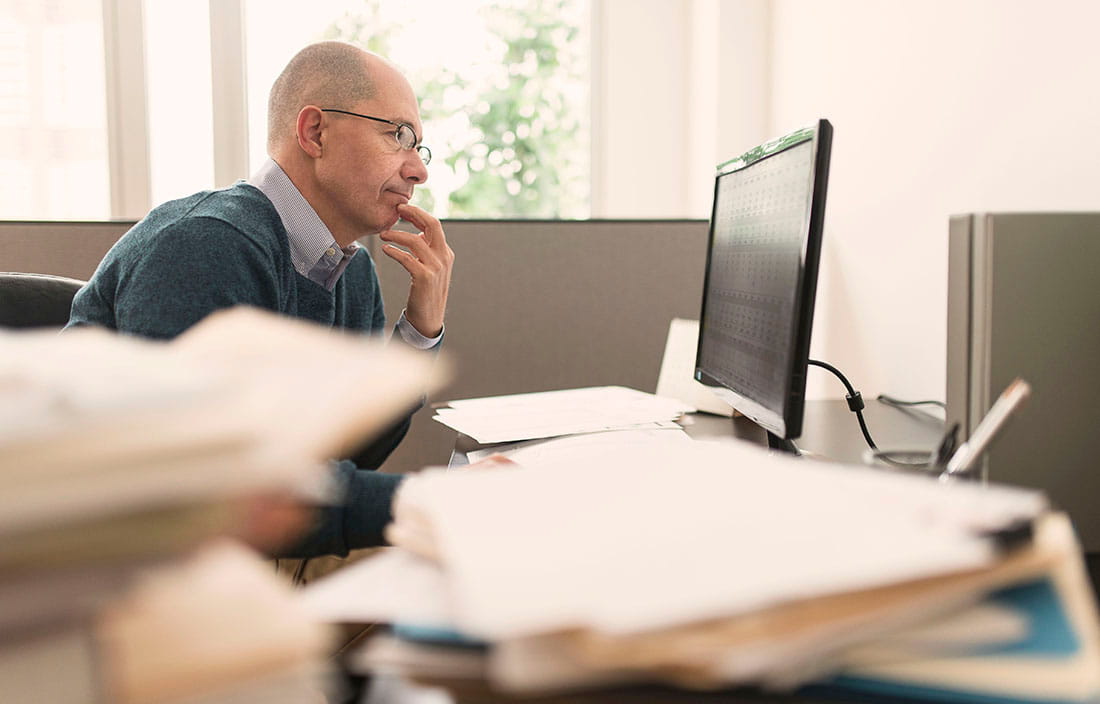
503 85
178 90
53 158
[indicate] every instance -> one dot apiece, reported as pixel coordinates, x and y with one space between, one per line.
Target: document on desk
555 413
710 564
757 530
556 452
393 585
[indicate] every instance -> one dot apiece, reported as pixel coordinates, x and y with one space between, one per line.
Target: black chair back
36 300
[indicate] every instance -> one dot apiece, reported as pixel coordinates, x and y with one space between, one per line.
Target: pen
946 447
969 452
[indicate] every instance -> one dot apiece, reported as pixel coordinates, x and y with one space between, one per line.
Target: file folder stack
120 459
711 565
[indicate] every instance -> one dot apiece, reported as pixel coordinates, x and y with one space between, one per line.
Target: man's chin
379 226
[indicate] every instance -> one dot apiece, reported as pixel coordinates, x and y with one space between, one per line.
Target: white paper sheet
392 586
555 413
676 378
574 448
661 536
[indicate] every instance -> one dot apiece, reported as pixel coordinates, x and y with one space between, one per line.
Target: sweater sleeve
356 521
373 453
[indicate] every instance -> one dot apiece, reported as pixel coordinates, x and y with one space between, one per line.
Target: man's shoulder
239 214
240 207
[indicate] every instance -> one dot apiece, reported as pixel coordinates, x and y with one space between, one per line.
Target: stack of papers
97 425
215 628
708 565
553 413
119 455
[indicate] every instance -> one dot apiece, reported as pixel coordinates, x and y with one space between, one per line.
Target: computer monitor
761 278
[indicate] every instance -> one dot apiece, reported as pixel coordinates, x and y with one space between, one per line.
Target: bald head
326 74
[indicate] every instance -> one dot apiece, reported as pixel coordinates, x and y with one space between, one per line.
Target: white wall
677 88
639 99
939 107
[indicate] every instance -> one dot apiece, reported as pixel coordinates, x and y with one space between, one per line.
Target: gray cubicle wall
534 305
70 249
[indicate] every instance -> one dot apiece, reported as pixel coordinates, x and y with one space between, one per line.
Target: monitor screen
761 277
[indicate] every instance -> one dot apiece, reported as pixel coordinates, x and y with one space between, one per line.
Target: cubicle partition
534 305
70 249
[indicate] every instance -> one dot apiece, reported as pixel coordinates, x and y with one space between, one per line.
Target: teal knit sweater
217 249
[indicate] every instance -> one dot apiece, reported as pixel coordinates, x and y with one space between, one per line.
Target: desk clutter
622 553
708 565
548 414
122 459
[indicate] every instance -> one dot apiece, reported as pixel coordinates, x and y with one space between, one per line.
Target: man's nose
414 170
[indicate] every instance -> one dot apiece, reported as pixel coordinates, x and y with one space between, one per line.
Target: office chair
35 300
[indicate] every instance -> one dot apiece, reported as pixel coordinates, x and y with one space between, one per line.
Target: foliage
509 133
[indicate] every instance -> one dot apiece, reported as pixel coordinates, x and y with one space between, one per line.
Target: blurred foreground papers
119 454
714 564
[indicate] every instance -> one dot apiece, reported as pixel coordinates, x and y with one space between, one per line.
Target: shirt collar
312 246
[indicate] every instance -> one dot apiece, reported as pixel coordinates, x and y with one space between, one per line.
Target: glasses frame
424 152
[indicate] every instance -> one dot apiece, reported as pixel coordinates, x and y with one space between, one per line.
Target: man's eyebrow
403 120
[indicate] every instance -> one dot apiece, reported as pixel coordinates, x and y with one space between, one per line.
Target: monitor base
782 444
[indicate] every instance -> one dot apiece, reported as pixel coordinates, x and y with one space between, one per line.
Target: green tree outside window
509 132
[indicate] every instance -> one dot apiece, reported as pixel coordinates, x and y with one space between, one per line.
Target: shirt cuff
412 336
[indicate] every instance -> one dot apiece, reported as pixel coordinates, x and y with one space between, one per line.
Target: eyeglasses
406 137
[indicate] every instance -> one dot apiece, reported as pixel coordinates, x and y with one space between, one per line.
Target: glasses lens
425 154
406 137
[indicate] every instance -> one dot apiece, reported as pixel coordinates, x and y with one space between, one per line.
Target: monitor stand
781 444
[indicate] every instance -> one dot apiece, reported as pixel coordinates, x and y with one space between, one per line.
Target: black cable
854 398
855 404
891 401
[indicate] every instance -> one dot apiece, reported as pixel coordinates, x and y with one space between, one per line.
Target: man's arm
429 261
357 519
373 454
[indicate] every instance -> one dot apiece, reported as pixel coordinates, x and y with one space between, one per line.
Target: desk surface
829 430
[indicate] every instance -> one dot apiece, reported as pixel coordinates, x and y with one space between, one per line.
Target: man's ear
309 130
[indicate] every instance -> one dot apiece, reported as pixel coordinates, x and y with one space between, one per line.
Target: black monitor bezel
787 423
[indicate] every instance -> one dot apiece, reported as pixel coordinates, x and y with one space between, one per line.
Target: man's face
364 172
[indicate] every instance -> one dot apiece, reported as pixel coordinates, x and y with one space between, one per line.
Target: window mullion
127 121
227 75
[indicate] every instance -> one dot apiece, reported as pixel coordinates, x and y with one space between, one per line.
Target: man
344 140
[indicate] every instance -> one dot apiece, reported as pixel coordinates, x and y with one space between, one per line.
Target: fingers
428 260
411 263
412 241
428 247
428 224
494 460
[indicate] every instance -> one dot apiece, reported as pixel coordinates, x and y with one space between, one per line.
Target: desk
829 430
